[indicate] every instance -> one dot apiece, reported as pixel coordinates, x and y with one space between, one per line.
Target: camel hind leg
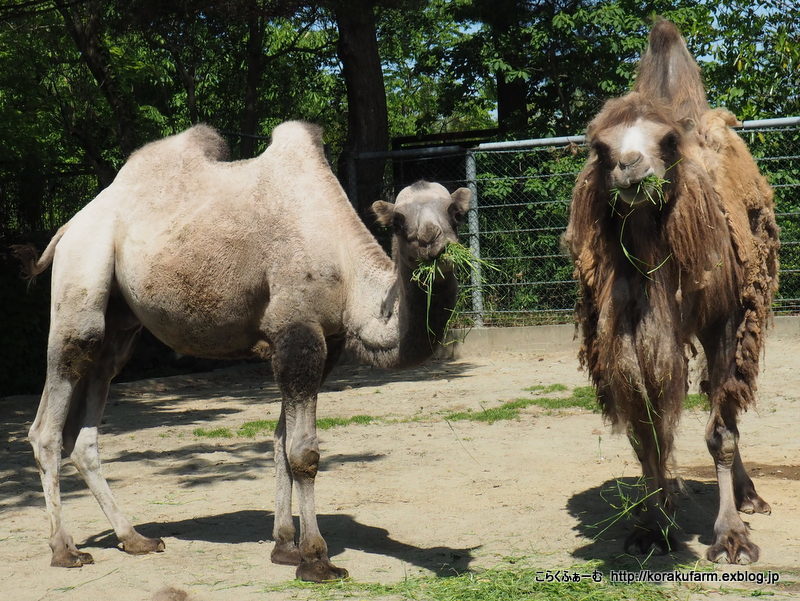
744 491
77 329
122 328
78 367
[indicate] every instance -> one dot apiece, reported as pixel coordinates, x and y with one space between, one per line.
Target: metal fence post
474 240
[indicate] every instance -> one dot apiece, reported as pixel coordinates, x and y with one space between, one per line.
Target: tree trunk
512 104
85 33
367 119
255 70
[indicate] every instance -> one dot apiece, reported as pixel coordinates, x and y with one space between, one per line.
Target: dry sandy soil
412 494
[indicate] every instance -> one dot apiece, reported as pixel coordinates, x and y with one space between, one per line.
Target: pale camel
264 257
656 269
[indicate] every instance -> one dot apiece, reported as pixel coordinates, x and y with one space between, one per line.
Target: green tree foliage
84 82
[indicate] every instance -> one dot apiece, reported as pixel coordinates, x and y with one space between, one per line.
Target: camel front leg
727 392
651 439
304 463
285 551
299 363
731 542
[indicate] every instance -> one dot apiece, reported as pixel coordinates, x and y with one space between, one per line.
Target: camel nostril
629 159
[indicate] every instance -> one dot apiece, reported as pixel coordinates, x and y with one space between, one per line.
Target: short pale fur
263 257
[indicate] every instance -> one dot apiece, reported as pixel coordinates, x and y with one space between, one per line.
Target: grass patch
250 429
267 426
515 583
696 401
542 389
582 397
326 423
213 433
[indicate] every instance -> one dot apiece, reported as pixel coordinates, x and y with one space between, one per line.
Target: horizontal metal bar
565 201
542 283
777 158
778 122
536 229
563 255
495 178
531 143
412 152
534 142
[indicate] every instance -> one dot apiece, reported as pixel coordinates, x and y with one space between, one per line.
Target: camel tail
28 256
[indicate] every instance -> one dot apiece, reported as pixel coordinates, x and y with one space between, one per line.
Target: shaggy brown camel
673 236
263 257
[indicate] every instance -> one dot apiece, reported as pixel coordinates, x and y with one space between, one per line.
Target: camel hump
208 141
200 141
669 73
663 36
297 136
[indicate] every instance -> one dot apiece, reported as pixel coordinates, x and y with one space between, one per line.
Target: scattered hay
462 261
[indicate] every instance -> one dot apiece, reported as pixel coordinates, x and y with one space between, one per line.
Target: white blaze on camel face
635 153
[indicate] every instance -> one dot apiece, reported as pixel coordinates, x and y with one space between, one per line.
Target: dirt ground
411 494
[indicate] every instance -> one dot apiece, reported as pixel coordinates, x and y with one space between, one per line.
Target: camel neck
390 320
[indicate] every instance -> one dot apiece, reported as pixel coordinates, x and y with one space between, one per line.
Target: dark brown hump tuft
667 72
663 35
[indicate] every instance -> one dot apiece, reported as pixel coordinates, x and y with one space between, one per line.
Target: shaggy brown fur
702 262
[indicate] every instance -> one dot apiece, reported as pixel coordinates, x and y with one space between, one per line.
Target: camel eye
399 223
669 143
456 214
602 151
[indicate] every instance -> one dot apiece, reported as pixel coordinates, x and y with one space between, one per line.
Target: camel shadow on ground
341 531
178 400
598 513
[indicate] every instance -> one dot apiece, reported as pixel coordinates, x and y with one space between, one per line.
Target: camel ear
687 124
384 212
461 199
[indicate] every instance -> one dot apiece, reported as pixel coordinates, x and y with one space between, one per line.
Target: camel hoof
733 548
285 554
320 570
141 545
643 541
71 559
754 504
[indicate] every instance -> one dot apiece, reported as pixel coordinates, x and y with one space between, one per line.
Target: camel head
636 144
637 139
424 219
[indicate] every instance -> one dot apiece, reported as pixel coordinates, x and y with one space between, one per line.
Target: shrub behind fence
520 210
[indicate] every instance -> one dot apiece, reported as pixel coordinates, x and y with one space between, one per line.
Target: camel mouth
630 195
648 190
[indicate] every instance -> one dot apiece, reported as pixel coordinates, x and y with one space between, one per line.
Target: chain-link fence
521 193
